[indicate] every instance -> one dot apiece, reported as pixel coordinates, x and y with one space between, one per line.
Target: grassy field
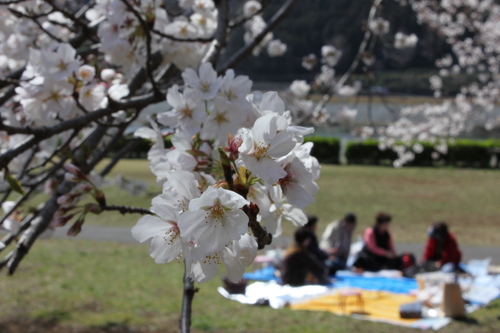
465 198
96 287
82 286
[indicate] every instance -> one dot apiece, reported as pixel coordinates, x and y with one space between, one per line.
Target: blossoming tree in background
74 77
470 27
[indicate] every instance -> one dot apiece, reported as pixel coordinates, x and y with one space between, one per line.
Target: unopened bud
76 227
60 221
74 170
100 197
93 208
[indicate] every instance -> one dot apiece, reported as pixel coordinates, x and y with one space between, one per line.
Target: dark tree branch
12 76
146 30
130 145
357 60
126 209
13 235
179 39
220 40
42 133
242 19
18 203
187 301
247 49
77 20
42 220
139 79
7 95
259 231
10 2
39 25
56 152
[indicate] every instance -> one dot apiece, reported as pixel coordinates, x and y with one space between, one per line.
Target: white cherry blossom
206 82
166 242
214 219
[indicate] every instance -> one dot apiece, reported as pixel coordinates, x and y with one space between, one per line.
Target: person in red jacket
441 249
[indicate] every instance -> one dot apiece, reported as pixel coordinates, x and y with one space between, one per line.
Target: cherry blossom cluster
75 75
236 160
471 27
477 56
254 25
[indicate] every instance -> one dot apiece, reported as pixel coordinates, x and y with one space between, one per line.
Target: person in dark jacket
312 222
378 252
300 266
441 249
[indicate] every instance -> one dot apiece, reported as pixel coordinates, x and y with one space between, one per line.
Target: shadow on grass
53 325
467 320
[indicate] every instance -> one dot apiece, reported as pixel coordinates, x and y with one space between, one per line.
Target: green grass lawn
467 199
66 285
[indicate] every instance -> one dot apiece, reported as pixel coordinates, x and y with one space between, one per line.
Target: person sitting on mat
441 250
311 225
378 252
300 266
336 241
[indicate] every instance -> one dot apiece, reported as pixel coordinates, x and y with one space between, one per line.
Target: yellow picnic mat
376 305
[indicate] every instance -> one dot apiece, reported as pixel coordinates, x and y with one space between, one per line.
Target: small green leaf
14 183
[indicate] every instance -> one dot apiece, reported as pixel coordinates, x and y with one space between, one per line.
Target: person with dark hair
300 266
441 249
336 241
312 222
378 252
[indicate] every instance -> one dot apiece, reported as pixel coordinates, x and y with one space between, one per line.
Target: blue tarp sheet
395 285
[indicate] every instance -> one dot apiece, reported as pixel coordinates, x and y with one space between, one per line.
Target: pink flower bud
85 188
49 186
73 169
64 199
70 177
76 227
61 220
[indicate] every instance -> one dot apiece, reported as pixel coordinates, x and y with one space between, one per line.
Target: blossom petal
281 144
297 195
166 248
149 226
269 170
271 101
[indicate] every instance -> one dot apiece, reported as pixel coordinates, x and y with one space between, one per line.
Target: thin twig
179 39
247 49
42 133
126 209
146 30
130 145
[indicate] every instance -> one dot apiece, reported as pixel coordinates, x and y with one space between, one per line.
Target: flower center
62 65
221 118
260 149
205 86
172 235
216 212
230 95
285 180
186 112
213 259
